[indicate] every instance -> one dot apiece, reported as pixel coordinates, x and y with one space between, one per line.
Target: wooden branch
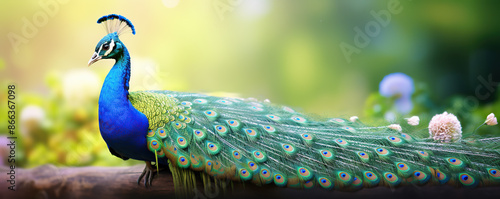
121 182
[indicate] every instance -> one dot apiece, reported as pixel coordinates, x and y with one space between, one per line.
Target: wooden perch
121 182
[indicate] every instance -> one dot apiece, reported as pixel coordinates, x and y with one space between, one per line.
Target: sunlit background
322 57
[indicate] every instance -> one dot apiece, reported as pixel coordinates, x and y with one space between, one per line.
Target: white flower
396 127
353 118
491 120
80 86
414 121
445 128
31 117
32 112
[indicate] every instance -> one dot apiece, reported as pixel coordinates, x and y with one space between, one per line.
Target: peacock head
110 46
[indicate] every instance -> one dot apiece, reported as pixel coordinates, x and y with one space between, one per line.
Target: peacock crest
116 24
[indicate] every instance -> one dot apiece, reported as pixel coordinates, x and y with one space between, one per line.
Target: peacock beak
95 58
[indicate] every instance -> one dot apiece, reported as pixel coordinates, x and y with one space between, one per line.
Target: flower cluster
445 127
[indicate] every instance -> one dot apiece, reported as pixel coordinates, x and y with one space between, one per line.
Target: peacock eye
105 46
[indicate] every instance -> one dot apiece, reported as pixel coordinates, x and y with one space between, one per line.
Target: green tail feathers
246 140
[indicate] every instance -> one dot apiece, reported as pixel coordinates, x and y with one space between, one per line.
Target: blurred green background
285 51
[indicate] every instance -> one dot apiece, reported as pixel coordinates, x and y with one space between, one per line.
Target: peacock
247 140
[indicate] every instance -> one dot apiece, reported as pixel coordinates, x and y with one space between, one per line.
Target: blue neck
122 126
117 80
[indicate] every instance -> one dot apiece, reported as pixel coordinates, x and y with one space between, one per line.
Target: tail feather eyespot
494 173
211 115
182 142
212 148
395 140
341 142
406 137
280 180
455 163
234 124
289 149
298 119
183 161
382 151
270 129
236 154
199 135
467 180
421 176
357 183
252 134
325 183
266 175
392 178
273 117
344 177
244 174
259 156
441 177
371 177
350 129
162 133
225 102
304 173
222 130
253 166
151 133
200 101
327 155
403 169
153 144
363 156
307 138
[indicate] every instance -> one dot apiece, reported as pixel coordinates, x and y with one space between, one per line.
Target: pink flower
396 127
491 120
445 128
413 120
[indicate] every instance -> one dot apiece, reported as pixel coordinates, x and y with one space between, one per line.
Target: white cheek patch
99 51
111 47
